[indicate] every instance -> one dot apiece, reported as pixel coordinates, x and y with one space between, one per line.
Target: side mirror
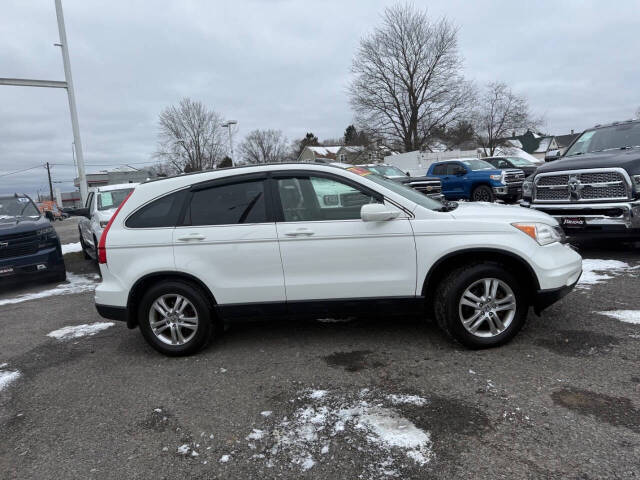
408 174
377 212
460 173
80 212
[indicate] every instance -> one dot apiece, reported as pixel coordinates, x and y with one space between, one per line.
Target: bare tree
264 146
499 113
407 78
190 137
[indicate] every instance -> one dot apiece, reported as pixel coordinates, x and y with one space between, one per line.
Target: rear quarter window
162 212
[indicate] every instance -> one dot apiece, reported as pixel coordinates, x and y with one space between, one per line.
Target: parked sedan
523 164
100 206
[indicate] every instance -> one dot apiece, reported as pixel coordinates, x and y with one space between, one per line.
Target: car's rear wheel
175 318
481 305
482 193
85 254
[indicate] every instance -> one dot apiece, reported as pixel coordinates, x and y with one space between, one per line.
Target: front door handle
191 236
300 232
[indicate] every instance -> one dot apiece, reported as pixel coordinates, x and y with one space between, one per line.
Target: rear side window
162 212
228 204
440 169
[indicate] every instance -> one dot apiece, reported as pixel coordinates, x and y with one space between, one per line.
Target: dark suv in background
29 245
594 188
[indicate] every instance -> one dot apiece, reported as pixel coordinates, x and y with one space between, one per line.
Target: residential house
533 143
319 154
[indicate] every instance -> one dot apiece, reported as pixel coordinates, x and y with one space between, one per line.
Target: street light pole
64 46
227 125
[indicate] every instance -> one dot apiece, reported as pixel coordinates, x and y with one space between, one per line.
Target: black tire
482 193
60 277
201 305
84 247
448 295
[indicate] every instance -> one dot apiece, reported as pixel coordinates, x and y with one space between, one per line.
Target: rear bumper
112 313
619 219
546 298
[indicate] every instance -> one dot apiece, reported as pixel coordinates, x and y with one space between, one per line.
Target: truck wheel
482 193
175 318
480 305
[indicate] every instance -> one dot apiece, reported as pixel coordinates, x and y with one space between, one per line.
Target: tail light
102 249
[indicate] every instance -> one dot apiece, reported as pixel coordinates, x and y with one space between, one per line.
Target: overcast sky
279 64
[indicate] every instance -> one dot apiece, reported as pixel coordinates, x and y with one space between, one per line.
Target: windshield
387 171
11 207
520 162
609 138
478 164
112 199
407 192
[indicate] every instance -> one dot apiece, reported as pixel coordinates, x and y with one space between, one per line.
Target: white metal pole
233 160
82 178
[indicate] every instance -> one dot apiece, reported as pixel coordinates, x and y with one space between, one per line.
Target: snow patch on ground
224 458
7 377
74 284
303 438
410 399
595 271
71 248
627 316
77 331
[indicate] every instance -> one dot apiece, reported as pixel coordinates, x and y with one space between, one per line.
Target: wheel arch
460 257
142 284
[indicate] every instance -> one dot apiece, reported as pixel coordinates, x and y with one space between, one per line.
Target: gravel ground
361 398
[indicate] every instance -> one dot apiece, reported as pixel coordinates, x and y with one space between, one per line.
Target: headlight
527 188
46 232
636 180
497 178
541 232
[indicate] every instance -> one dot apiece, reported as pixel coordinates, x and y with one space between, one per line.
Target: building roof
543 146
566 140
325 151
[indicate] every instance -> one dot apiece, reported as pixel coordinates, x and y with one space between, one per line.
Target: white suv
182 254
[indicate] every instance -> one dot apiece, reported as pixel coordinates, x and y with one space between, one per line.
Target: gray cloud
280 64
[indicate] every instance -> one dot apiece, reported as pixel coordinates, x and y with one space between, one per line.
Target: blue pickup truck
476 180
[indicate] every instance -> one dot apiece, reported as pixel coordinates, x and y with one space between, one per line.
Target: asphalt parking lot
333 398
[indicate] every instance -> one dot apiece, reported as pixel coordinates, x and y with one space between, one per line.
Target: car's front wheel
482 193
481 305
175 318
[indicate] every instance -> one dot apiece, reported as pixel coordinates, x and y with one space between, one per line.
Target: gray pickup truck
594 188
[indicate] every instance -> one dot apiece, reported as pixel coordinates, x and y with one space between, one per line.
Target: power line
108 164
20 171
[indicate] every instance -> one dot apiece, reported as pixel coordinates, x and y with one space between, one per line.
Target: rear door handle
191 236
300 232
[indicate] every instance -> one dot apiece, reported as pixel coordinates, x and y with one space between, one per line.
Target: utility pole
228 124
68 84
64 47
50 184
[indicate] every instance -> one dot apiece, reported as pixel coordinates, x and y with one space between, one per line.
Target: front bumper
47 261
619 218
511 190
546 298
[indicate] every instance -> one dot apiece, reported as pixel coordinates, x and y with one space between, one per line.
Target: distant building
540 145
124 174
353 154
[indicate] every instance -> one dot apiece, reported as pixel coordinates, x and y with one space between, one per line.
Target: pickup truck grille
17 244
581 186
427 187
512 178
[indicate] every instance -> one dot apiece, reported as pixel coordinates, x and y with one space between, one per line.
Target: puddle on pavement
617 411
354 361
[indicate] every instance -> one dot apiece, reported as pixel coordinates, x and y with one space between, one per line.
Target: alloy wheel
487 307
173 319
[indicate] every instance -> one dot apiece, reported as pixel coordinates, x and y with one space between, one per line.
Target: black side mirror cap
80 212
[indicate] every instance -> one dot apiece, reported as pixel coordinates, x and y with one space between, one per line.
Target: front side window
307 199
455 168
228 204
112 198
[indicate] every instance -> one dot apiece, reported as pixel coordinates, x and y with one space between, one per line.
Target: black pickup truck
594 188
430 186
